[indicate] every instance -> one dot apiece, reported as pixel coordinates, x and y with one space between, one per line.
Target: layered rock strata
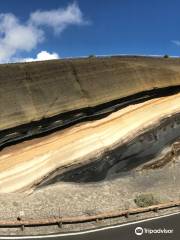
37 97
131 135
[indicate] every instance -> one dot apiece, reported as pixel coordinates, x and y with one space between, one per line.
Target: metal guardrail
84 218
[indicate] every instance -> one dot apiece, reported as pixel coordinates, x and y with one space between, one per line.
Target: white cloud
60 18
176 42
16 37
41 56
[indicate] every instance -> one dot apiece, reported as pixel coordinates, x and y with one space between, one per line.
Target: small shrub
145 200
166 56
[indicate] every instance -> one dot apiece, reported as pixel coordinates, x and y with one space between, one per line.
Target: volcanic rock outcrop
111 115
54 93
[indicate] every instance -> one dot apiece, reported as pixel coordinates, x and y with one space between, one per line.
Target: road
169 223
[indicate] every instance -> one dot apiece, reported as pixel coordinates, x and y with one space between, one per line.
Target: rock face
120 135
131 106
33 91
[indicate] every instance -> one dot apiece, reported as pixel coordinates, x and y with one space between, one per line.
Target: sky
50 29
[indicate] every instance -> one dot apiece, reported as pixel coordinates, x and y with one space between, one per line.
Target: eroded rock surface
31 92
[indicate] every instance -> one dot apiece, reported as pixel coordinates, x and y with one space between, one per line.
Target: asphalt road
163 227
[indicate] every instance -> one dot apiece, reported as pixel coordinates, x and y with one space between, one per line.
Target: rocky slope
120 98
31 92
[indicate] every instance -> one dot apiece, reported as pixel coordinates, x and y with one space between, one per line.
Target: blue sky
83 27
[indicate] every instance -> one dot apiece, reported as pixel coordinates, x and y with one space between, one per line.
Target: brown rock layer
33 91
